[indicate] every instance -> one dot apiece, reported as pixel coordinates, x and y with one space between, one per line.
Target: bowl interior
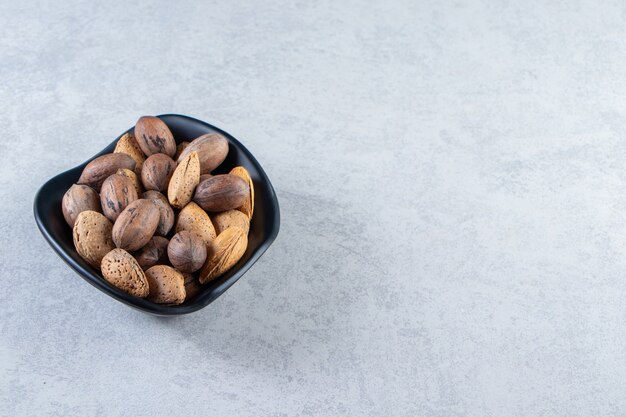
263 228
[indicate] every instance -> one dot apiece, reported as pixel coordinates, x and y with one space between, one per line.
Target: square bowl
263 227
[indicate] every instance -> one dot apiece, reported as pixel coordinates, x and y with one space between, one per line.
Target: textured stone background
452 182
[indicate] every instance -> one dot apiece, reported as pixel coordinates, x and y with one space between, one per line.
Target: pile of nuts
154 220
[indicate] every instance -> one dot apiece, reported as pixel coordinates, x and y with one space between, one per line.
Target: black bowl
263 228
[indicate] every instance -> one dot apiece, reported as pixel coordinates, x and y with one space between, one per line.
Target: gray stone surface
452 182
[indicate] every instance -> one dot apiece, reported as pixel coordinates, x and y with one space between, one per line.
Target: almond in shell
92 236
133 177
194 219
223 253
128 144
120 269
184 181
230 218
248 207
167 285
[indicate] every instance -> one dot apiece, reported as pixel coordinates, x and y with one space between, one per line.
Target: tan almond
231 218
117 192
153 136
248 207
212 149
92 236
167 285
194 219
77 199
96 171
120 269
184 181
128 144
133 177
223 253
136 225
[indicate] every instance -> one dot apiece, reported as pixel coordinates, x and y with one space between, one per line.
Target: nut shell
153 253
117 192
157 171
179 148
223 253
77 199
128 144
120 269
166 213
194 219
187 251
133 177
248 206
212 149
231 218
92 236
167 285
184 181
136 225
221 193
192 285
153 136
102 167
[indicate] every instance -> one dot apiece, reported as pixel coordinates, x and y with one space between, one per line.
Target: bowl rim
140 303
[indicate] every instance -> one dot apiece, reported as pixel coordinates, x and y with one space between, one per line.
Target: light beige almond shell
92 236
184 181
223 253
194 219
179 149
133 177
167 285
128 144
231 218
248 207
120 269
